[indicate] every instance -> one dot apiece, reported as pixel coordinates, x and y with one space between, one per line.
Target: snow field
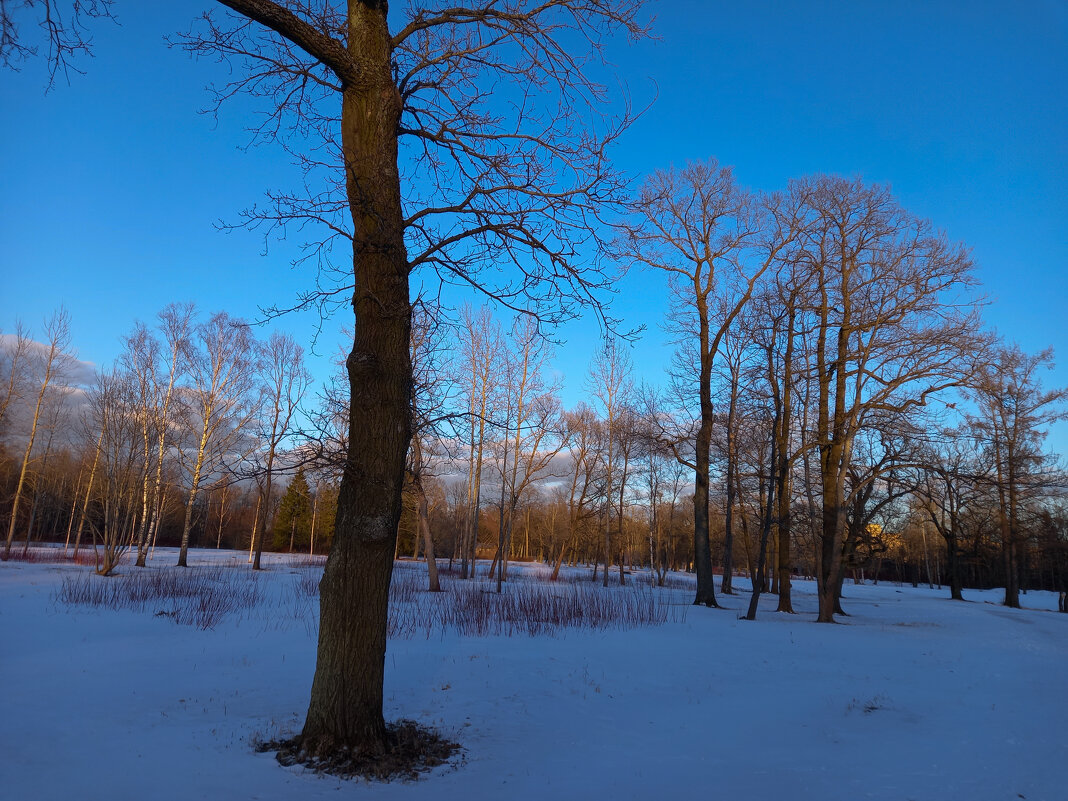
912 697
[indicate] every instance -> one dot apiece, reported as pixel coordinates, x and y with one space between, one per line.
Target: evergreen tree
324 508
292 524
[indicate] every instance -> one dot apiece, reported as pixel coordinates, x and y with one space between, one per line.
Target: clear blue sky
110 187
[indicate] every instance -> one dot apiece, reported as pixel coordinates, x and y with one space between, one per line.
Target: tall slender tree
175 323
611 381
1013 412
14 353
53 361
284 382
477 373
220 405
714 240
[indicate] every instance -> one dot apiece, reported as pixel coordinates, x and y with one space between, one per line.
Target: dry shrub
307 584
535 609
201 597
50 555
529 605
671 581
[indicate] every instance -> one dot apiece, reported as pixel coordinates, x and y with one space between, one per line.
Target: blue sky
111 186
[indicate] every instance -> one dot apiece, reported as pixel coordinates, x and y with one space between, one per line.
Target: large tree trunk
759 578
956 587
346 697
187 526
783 555
784 484
265 502
831 541
702 551
726 584
1009 540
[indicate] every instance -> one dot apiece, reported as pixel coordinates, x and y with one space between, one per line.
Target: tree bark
346 697
702 551
726 584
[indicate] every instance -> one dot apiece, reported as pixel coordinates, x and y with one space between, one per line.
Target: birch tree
52 361
175 323
139 359
219 404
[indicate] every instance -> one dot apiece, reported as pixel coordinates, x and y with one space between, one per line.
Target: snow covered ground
912 697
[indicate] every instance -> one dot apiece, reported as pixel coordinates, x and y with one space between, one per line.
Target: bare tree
225 494
627 438
88 494
54 416
950 483
219 406
175 323
285 381
532 411
14 351
429 398
53 361
1013 410
774 328
476 374
733 354
893 325
139 359
714 240
610 381
581 440
665 477
114 410
64 27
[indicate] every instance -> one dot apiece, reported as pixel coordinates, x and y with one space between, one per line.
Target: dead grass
46 555
673 581
529 605
200 597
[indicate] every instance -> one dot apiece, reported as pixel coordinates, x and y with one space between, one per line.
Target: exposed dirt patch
410 750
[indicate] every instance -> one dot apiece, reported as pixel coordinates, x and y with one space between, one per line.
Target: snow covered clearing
912 697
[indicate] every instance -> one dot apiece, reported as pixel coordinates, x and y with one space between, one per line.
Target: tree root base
409 750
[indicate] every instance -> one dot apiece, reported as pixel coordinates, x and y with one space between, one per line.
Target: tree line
855 425
176 442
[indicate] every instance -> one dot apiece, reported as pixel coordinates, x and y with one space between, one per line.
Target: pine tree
292 524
